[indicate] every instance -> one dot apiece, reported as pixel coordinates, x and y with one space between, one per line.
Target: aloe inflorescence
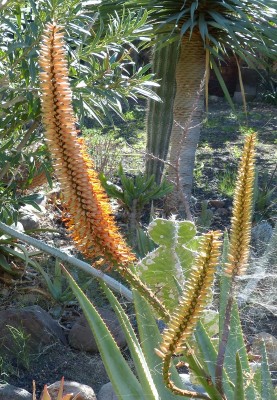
90 220
242 211
192 304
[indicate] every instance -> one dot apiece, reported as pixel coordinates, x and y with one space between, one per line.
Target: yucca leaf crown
247 28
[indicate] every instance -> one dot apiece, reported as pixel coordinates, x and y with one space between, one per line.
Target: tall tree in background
191 36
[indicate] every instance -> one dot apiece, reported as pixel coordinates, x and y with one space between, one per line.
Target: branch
112 283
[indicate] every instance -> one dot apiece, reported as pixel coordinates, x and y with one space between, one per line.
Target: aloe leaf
60 393
46 395
208 358
124 382
235 345
141 366
239 386
5 265
258 382
145 244
266 381
150 338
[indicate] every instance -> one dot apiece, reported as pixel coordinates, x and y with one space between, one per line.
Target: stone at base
10 392
85 392
185 378
270 345
81 338
37 326
107 392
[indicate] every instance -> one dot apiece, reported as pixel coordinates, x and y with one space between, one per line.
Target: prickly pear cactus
166 269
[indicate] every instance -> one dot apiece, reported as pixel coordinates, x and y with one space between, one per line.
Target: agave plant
195 35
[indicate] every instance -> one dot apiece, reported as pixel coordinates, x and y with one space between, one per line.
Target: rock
30 216
270 345
18 227
41 199
85 392
107 393
217 203
81 338
29 221
29 209
10 392
214 99
250 94
221 211
185 378
35 328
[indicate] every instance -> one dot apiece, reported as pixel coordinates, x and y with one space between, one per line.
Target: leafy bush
102 74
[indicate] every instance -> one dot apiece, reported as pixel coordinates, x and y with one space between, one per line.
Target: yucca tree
190 36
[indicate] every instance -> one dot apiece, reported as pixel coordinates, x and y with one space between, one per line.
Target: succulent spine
90 219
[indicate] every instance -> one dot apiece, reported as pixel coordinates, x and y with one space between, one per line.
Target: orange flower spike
242 211
91 222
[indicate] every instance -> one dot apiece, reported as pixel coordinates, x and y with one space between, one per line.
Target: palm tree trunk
188 109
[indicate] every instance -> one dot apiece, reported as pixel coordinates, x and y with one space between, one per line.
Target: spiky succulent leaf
239 386
150 338
171 261
207 355
142 369
266 381
123 380
236 345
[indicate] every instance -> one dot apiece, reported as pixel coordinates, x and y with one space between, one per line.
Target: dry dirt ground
217 158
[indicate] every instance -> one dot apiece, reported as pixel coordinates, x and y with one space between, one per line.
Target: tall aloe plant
206 32
222 370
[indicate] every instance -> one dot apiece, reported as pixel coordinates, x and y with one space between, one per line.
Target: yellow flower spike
90 221
242 211
192 304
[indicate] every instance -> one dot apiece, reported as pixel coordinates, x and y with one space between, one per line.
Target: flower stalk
240 236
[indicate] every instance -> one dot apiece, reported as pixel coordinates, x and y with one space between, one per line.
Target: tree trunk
160 114
188 109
